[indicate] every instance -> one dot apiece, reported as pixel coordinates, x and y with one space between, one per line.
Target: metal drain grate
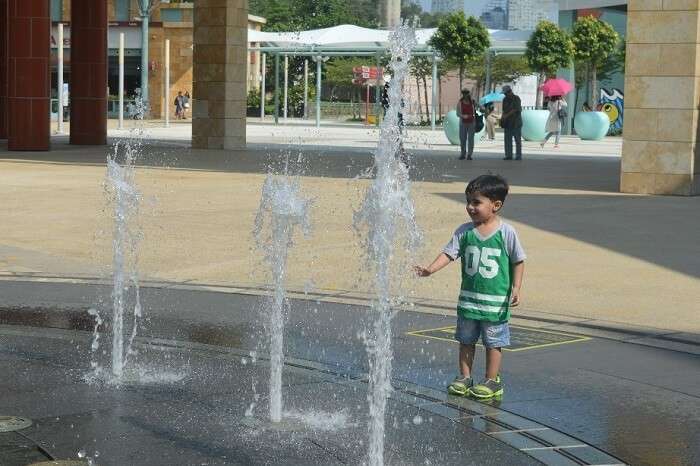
13 423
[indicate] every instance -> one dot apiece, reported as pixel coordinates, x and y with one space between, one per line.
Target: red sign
367 72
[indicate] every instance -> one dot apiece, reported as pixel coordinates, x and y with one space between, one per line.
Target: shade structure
556 87
347 36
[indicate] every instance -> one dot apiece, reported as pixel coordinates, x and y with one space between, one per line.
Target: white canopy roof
355 37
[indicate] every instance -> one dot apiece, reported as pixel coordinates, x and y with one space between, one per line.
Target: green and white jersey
487 272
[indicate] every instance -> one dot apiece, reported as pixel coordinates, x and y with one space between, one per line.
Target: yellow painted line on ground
451 330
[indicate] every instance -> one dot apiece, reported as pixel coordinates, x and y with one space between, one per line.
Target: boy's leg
495 336
493 362
466 359
467 334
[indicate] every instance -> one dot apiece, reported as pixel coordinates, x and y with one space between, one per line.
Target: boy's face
480 208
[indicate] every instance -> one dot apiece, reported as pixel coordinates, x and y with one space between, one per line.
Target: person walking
512 124
178 105
555 121
466 111
185 104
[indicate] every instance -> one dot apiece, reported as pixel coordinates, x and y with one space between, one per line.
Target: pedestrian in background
512 124
555 121
466 111
185 104
178 105
490 120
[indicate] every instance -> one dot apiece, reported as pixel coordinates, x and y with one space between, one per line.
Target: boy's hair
492 186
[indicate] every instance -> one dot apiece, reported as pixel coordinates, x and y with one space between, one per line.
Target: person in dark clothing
512 123
401 155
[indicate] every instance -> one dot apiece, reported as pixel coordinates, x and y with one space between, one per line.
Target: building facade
172 21
523 15
446 6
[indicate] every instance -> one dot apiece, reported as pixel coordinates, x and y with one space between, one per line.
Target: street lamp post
145 8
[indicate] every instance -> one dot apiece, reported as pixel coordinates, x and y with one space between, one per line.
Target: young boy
492 273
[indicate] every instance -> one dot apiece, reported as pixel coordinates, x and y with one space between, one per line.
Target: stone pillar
3 68
662 93
88 77
219 74
28 75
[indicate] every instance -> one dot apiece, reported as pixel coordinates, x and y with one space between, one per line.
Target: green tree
548 49
594 41
460 40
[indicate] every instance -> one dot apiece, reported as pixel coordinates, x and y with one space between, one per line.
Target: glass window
171 14
56 10
121 10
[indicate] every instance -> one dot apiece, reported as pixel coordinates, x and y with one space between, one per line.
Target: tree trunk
594 87
540 92
425 92
461 76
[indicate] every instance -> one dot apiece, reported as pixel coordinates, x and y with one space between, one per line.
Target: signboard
364 74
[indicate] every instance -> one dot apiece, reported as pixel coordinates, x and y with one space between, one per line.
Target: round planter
451 127
591 126
534 123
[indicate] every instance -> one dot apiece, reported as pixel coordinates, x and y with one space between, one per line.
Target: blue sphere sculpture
534 122
451 127
591 126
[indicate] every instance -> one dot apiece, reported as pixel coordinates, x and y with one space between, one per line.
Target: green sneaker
460 386
487 389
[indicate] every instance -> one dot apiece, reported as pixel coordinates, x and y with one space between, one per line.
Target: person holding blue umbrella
487 109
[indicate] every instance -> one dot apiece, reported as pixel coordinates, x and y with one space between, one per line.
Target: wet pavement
570 398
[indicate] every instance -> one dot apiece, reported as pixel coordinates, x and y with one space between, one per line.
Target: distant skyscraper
389 12
503 14
447 6
525 14
495 14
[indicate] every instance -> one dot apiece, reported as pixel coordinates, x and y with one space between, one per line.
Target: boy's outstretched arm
440 261
518 271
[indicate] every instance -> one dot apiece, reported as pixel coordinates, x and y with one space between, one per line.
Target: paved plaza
603 369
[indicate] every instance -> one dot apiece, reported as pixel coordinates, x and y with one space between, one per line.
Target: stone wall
219 87
180 36
662 92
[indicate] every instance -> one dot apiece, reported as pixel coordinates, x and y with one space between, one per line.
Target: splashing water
124 197
282 208
386 223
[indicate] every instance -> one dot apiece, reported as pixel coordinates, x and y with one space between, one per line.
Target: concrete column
3 68
88 109
220 63
662 93
29 79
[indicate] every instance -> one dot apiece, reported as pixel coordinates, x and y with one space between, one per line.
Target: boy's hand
515 297
421 271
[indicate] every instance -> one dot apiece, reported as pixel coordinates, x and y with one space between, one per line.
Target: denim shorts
493 334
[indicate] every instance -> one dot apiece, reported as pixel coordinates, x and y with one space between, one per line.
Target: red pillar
29 75
88 73
3 68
